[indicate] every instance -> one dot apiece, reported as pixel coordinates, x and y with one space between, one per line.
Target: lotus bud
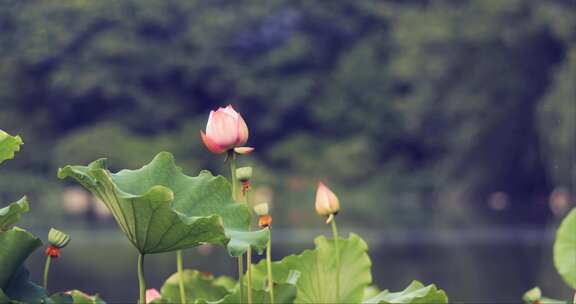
225 130
261 209
327 202
151 295
244 174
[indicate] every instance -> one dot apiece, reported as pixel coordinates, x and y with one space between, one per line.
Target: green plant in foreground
337 270
160 209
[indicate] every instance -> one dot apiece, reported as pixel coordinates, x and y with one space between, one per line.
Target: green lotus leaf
370 292
565 249
415 293
283 293
17 244
227 282
8 146
73 297
10 214
160 209
316 270
21 290
197 285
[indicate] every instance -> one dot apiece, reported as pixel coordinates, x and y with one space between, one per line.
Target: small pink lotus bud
225 130
327 202
151 295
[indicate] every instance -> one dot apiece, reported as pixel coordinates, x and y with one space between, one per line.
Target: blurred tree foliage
416 111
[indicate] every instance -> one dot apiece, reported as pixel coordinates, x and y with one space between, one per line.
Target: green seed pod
58 238
533 295
244 173
261 209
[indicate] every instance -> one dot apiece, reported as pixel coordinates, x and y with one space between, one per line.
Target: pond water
489 266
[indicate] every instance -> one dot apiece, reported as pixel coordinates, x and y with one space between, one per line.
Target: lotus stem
335 234
269 266
241 277
180 277
249 252
46 271
249 267
234 182
141 279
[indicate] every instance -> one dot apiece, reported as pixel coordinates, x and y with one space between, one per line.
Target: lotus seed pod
58 238
244 173
261 209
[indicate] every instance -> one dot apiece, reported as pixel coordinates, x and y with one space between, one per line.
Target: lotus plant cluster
162 210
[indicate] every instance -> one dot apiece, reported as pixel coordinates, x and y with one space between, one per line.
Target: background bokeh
447 127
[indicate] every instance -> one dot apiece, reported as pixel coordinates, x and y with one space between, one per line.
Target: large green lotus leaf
316 270
415 293
8 145
197 285
10 214
565 249
16 245
160 209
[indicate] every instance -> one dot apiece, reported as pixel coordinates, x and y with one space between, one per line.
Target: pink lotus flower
327 202
226 130
151 295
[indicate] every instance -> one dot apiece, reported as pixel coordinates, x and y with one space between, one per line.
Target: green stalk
180 276
232 158
241 277
141 279
338 269
249 253
46 271
249 266
269 266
